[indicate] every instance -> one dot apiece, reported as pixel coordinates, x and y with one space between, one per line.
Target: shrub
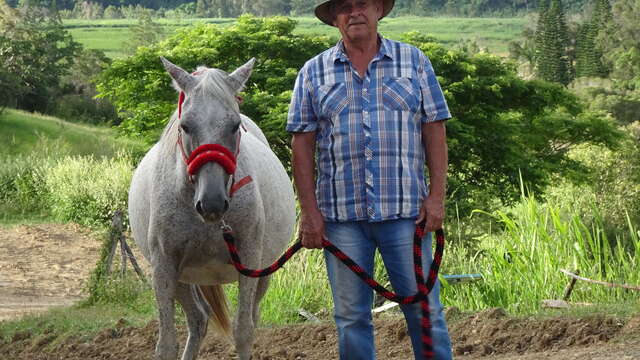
84 108
613 185
112 12
21 185
87 190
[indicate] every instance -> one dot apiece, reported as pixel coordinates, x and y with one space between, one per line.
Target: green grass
31 145
494 34
78 321
521 264
23 133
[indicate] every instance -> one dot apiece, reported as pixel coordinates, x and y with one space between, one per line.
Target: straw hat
323 11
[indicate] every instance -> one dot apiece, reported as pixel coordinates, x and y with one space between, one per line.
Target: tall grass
521 264
54 170
88 190
301 284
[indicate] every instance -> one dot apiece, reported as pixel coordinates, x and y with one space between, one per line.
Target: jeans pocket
400 94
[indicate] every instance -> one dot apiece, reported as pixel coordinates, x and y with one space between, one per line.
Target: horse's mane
211 83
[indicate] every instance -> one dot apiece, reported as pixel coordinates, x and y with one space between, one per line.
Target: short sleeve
433 101
302 117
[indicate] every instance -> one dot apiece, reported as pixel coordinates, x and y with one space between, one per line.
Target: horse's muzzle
211 210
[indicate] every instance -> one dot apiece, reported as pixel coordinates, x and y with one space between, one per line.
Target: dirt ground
44 265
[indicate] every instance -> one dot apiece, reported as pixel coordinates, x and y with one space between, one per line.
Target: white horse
176 216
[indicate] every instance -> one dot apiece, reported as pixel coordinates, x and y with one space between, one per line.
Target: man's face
357 19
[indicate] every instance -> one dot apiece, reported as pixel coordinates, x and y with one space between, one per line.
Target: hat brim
323 11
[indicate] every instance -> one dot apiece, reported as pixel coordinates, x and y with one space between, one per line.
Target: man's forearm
435 142
303 147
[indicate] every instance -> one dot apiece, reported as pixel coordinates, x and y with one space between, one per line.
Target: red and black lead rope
420 296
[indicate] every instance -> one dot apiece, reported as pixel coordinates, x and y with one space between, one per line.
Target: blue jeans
353 298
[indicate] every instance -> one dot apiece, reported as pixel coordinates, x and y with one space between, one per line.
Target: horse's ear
240 76
181 78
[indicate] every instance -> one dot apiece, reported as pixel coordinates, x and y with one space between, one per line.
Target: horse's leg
243 326
197 312
263 284
164 284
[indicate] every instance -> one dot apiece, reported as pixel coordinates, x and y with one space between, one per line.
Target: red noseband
211 153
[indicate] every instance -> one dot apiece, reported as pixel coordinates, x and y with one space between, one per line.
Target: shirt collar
340 53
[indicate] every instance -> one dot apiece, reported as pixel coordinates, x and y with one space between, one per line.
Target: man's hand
434 135
432 210
311 230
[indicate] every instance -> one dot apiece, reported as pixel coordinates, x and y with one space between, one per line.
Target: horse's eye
236 127
184 128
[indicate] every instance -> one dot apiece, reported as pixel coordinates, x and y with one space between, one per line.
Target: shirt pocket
332 100
400 93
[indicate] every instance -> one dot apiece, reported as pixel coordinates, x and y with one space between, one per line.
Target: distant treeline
234 8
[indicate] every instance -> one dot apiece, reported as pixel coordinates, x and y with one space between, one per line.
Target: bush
87 190
83 108
613 185
112 12
21 185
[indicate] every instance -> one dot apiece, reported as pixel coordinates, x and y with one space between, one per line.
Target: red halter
211 153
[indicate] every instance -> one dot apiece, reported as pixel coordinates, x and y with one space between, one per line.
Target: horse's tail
215 297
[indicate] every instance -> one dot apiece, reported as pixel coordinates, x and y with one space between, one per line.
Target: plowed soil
46 265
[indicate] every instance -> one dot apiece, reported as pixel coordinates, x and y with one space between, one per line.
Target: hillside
24 133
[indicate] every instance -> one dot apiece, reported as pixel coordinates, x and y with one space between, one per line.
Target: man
369 112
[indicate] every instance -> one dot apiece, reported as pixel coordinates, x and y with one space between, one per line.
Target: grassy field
23 133
493 34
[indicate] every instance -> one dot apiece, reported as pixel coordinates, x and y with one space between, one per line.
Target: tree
525 50
270 7
10 87
145 32
552 41
302 7
35 48
620 43
588 51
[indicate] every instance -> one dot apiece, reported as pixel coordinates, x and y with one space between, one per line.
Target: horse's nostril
199 207
226 205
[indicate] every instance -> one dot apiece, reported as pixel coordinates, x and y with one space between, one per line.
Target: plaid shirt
370 155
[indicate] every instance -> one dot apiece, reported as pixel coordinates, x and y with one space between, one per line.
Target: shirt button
364 91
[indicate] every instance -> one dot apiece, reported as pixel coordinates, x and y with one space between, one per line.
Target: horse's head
209 132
